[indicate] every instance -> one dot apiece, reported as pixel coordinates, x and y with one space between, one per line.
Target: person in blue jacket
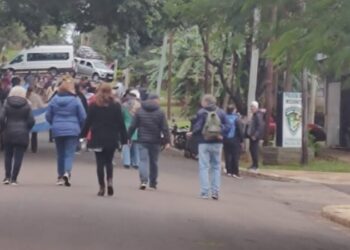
67 117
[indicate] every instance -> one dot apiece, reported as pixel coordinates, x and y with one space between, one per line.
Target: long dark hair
231 109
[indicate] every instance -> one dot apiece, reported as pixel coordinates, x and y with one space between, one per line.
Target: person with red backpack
233 140
210 127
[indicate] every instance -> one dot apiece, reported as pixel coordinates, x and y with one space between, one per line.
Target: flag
41 125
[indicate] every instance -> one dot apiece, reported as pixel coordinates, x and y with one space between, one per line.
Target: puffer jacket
66 115
151 123
16 121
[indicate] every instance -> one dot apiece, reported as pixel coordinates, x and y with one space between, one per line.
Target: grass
315 166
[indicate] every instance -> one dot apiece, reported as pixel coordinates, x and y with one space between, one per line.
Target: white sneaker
60 182
143 186
237 177
66 179
6 181
204 196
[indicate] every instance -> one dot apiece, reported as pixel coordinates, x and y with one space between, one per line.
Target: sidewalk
315 177
287 175
338 214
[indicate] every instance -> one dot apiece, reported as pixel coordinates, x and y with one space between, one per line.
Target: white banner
292 120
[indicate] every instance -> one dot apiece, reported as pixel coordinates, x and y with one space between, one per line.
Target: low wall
283 156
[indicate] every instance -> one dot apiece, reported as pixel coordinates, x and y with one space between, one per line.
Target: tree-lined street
251 214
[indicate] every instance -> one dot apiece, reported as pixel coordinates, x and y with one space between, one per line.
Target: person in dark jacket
256 130
105 120
153 130
210 148
233 140
67 117
4 91
79 93
16 121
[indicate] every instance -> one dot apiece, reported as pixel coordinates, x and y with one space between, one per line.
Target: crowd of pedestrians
107 119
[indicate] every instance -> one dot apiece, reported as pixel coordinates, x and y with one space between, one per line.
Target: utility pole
127 54
305 134
162 64
253 78
207 64
170 73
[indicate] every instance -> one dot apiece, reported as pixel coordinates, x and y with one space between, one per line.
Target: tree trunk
288 83
162 64
170 73
269 86
305 136
268 96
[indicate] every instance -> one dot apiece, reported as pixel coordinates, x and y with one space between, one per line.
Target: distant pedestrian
79 91
152 126
233 139
256 129
4 91
67 116
130 153
210 126
16 81
16 121
105 120
120 89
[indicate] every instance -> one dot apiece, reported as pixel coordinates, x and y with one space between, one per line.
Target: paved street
252 213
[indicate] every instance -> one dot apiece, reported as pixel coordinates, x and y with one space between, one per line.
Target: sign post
292 120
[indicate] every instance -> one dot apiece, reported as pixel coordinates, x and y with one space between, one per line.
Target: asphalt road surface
251 213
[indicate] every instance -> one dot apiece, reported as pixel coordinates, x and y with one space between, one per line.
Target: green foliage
119 16
318 165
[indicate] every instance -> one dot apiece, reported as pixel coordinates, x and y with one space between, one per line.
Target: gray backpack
212 126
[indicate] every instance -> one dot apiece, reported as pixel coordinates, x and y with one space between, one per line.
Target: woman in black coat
16 121
105 120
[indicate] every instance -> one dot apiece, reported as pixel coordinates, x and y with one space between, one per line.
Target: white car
54 59
96 69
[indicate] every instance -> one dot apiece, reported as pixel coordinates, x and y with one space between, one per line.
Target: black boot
102 191
110 188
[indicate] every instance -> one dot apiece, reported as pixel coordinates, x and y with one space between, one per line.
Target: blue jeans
210 167
65 147
149 155
131 155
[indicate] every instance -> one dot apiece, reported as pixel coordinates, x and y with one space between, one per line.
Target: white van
54 59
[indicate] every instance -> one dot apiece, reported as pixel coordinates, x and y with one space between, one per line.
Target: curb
272 177
337 214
